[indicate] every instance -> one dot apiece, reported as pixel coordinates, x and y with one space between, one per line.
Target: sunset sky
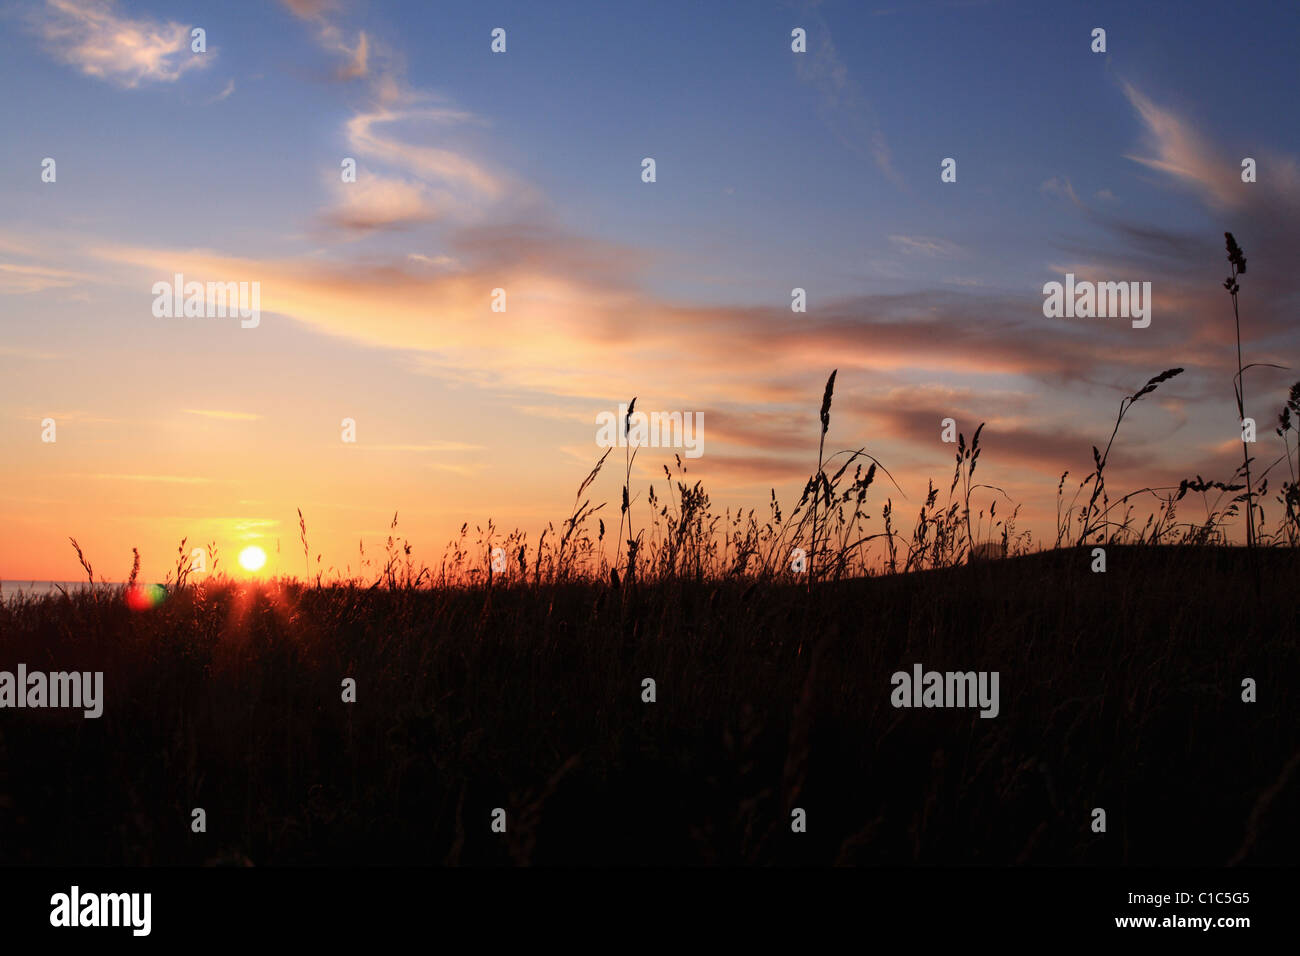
522 171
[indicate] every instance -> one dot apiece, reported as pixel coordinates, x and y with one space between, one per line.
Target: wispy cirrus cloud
223 415
578 322
28 355
406 181
365 134
18 279
380 202
583 299
358 59
356 55
426 446
1264 215
1179 151
581 323
843 107
925 246
94 37
225 93
312 9
156 479
1061 186
409 180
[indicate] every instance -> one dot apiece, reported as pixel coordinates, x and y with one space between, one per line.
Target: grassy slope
1118 690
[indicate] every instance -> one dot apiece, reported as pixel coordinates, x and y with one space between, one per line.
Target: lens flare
252 558
142 597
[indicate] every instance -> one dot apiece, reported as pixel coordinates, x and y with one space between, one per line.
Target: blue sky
758 166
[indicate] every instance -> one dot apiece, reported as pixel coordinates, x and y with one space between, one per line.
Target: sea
11 588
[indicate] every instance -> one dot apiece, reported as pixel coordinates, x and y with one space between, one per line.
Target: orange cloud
436 164
379 202
15 278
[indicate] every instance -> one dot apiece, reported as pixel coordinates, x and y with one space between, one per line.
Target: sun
252 558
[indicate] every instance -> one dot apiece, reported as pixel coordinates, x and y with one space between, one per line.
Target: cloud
1192 318
93 37
410 181
161 479
21 279
432 163
846 112
465 471
769 430
583 330
1184 267
407 182
311 9
582 325
357 66
579 323
379 202
925 246
427 446
29 355
1180 152
225 93
437 262
330 37
227 416
1009 440
737 471
1061 186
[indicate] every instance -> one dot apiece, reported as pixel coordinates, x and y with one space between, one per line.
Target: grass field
1119 690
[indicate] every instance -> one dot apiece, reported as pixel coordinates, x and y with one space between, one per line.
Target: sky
522 170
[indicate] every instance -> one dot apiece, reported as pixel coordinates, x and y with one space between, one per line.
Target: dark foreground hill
1120 691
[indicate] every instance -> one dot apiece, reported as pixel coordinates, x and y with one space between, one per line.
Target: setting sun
252 558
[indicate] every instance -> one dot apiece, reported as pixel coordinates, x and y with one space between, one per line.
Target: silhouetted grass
1119 690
